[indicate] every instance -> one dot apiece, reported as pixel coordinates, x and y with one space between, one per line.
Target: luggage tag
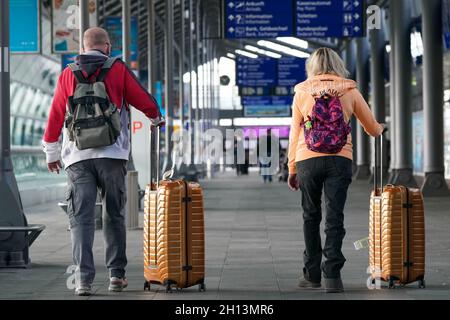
361 244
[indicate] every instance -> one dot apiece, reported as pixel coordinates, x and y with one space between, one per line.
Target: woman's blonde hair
325 61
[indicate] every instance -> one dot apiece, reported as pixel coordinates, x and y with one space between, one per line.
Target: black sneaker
334 285
304 283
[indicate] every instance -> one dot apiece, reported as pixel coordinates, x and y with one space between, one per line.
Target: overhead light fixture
225 122
186 78
416 44
247 54
283 49
244 122
264 52
294 41
231 56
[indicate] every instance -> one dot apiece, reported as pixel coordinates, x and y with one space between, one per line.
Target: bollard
132 206
17 260
4 257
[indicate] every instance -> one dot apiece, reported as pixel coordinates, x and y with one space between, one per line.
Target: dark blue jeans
333 175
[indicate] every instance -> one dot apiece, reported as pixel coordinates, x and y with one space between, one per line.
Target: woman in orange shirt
320 158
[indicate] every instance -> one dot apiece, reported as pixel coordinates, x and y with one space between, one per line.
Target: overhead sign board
329 18
24 26
268 106
267 19
258 19
446 22
267 76
67 59
255 91
291 71
259 72
114 27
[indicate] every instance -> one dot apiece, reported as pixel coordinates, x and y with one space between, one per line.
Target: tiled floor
253 250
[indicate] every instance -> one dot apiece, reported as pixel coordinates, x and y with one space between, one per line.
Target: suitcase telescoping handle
378 165
154 154
155 133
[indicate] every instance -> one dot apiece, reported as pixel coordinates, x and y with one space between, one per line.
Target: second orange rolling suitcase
396 231
174 237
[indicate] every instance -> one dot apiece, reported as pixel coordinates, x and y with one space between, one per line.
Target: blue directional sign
291 71
67 59
24 26
114 26
316 19
446 23
258 19
255 91
258 72
269 106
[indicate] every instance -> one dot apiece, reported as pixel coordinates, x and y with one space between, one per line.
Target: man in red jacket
103 167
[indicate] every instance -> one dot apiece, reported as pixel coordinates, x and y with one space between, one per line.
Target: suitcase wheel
201 287
146 285
422 284
391 284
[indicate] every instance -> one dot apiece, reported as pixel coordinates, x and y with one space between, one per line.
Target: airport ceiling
139 9
210 9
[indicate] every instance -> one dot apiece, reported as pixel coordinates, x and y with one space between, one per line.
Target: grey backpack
92 120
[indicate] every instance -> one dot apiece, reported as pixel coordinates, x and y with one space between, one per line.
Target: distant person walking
320 158
264 159
91 102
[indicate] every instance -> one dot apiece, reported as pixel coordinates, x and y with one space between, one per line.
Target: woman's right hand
293 182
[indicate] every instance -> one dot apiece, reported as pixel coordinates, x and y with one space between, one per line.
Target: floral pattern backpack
325 129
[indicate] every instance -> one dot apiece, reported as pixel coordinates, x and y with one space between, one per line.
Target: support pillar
191 174
392 105
151 61
349 59
377 65
362 78
403 75
13 247
84 20
169 86
434 184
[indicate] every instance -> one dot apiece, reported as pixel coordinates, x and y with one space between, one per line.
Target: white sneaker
117 284
83 290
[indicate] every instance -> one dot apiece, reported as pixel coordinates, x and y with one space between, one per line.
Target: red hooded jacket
121 84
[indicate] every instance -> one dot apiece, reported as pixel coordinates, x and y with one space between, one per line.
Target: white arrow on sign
231 5
356 28
356 16
231 30
231 17
356 3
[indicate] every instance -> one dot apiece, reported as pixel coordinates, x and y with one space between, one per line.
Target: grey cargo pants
83 180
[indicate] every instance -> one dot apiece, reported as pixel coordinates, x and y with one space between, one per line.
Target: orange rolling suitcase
174 237
396 231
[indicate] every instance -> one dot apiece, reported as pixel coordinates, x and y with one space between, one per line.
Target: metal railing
30 150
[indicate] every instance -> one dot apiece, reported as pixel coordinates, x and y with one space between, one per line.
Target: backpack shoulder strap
105 69
76 70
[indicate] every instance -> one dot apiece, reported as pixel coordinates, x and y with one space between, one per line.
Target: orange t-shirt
352 103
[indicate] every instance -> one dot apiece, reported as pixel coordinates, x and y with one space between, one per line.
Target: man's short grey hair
95 37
